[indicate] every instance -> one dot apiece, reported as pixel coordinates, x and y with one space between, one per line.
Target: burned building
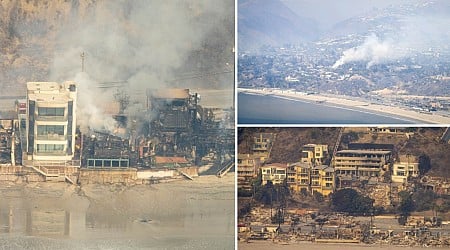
175 109
103 150
171 126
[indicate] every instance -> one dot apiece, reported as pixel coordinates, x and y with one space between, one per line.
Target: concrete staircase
227 166
53 173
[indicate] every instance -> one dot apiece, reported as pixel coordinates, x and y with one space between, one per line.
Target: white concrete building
51 121
407 167
275 172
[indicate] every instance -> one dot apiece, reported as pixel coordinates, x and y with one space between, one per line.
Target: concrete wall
147 174
90 176
18 174
166 173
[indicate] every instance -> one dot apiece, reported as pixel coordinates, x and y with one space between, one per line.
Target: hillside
263 22
286 148
159 43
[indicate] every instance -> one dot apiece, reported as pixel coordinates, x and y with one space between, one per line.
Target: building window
50 129
51 111
50 148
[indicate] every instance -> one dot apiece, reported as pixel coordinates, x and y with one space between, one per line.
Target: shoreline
343 102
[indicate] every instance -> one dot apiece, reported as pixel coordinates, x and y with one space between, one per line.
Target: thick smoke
416 35
139 45
372 50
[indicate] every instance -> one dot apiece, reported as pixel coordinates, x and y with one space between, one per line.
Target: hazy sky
329 12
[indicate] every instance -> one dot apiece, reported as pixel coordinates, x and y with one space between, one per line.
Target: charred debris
172 129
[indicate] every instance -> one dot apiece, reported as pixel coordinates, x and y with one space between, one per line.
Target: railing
226 167
52 137
54 153
51 118
71 163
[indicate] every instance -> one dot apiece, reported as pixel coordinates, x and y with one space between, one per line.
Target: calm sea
259 109
196 214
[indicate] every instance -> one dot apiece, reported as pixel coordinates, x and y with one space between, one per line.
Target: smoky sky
329 12
147 45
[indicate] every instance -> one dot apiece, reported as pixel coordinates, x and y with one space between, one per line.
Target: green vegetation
350 201
406 207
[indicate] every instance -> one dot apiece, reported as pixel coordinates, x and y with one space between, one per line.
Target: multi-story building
305 177
361 163
408 166
262 144
50 121
299 176
314 153
275 172
247 168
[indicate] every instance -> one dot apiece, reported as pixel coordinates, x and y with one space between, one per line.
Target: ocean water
269 109
196 214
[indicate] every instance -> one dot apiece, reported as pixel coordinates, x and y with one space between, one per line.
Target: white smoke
89 114
416 34
143 43
372 50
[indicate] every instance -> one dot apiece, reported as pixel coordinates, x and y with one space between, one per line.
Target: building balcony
50 153
51 118
52 137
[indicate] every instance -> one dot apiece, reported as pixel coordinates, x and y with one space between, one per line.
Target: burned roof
168 93
171 159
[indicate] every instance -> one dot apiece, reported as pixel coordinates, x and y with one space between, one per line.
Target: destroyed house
102 150
170 162
176 109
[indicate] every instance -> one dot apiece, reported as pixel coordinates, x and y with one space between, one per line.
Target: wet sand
182 214
346 102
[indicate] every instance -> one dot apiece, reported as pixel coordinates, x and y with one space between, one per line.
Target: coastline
356 105
266 245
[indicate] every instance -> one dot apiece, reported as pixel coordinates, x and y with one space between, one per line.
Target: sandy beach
182 214
267 245
346 102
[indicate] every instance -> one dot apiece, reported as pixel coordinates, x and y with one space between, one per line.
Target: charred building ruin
171 130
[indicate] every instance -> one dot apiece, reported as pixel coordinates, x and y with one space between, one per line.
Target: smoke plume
416 34
372 50
142 44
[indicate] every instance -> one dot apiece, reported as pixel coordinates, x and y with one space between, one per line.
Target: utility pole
82 61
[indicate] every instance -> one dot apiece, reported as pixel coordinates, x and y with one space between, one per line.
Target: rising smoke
372 50
416 34
144 44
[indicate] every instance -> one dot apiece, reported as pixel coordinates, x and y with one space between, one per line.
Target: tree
424 164
350 201
318 196
406 207
424 200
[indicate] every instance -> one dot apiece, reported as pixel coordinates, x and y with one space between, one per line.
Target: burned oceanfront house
173 132
180 127
169 136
